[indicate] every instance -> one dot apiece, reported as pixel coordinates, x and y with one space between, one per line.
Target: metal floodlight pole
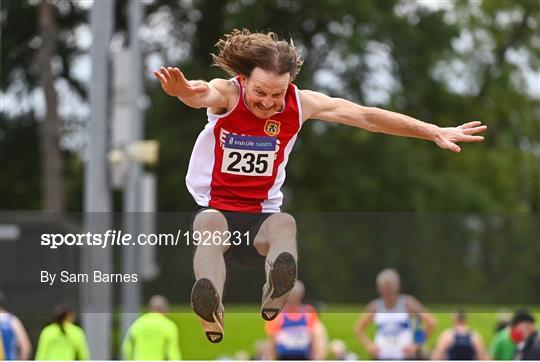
149 268
131 293
96 299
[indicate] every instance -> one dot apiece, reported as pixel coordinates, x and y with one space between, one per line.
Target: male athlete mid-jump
238 163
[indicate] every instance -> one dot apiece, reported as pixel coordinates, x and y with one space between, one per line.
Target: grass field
244 326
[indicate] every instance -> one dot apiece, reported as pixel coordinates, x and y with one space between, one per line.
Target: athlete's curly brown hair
241 51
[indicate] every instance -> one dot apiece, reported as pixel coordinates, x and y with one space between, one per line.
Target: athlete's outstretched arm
194 93
319 106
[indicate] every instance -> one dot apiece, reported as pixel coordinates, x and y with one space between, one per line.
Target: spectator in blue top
15 342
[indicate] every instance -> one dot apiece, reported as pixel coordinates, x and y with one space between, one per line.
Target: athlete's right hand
175 84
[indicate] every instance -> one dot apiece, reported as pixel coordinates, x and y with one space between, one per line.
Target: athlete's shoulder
372 306
412 304
307 97
273 326
224 85
75 330
6 318
229 89
445 340
447 335
312 315
475 334
313 103
170 325
139 324
50 329
310 308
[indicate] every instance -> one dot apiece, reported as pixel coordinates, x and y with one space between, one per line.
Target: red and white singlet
238 161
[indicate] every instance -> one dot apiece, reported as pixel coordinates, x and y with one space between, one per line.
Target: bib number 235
248 156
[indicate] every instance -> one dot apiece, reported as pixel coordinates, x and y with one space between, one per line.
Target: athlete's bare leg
210 272
276 235
208 261
277 240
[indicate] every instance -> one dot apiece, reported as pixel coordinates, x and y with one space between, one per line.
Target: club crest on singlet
248 155
271 127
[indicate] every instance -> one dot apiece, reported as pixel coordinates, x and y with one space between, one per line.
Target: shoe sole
205 303
280 283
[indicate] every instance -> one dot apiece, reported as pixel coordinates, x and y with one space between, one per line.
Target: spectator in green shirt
502 348
62 340
152 336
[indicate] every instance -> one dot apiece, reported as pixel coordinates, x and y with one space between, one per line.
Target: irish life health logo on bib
248 155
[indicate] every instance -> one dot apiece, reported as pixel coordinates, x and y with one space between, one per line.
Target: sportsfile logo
111 238
118 238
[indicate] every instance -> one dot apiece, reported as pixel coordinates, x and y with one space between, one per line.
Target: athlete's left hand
449 136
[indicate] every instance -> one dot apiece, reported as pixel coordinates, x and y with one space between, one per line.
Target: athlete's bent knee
210 221
283 222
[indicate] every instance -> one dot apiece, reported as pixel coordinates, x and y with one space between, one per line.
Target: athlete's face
388 290
265 92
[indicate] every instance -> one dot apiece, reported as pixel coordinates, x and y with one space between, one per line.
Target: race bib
392 343
294 339
389 340
248 155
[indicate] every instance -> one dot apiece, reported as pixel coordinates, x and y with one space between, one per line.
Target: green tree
35 56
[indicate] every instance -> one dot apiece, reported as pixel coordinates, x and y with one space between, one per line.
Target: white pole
131 292
96 299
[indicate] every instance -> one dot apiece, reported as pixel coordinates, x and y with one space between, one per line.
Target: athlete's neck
461 328
390 302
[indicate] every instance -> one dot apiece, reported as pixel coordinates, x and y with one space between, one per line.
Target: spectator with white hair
392 313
